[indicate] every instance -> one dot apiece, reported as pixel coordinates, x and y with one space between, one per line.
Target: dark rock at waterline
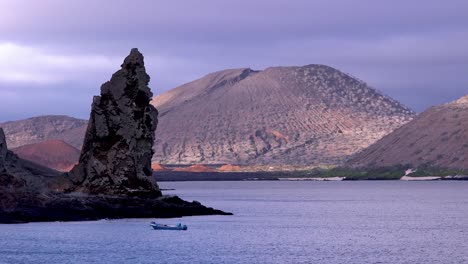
78 207
27 195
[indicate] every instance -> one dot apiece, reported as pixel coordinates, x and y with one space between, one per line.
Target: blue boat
157 226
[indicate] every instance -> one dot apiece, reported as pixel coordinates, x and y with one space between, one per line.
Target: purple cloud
59 52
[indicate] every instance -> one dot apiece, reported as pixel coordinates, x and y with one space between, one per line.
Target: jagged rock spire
117 150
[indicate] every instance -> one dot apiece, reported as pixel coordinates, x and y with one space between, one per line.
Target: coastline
168 176
76 207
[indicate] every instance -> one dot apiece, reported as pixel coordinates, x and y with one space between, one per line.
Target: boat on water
157 226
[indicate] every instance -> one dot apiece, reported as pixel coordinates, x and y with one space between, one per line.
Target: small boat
157 226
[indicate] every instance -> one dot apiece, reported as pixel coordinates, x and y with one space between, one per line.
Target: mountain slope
283 115
55 154
41 128
18 173
437 137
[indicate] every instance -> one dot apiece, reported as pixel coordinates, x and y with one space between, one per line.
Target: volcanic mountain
55 154
437 137
310 115
41 128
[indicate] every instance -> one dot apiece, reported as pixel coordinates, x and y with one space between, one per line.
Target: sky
55 54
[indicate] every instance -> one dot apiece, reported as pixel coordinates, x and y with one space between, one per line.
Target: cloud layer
55 54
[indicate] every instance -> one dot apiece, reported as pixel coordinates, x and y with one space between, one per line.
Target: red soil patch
229 167
278 134
158 167
69 168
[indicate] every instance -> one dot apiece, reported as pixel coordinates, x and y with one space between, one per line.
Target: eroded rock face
117 150
3 148
3 154
6 179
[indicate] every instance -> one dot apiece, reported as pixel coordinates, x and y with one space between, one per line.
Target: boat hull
166 227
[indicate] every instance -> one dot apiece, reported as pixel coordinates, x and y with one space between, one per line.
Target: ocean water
274 222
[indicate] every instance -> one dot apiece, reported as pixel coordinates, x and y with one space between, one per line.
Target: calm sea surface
274 222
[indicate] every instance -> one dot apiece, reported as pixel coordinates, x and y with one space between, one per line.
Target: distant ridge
438 137
310 115
41 128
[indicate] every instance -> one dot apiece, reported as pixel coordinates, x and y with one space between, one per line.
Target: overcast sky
55 54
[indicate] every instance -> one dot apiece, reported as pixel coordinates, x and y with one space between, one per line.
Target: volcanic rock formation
308 115
117 150
438 137
113 178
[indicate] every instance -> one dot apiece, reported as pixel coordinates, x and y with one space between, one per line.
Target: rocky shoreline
82 207
171 176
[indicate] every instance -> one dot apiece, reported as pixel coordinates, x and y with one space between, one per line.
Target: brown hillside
55 154
437 137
